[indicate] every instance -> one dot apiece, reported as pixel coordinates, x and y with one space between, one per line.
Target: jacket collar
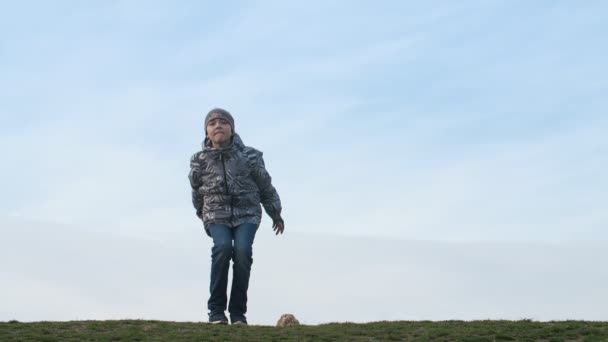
235 144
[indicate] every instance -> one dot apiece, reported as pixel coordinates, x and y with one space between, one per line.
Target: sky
476 123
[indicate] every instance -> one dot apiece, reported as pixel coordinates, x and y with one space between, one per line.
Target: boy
229 181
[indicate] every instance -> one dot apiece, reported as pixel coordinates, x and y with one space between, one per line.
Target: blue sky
477 120
457 122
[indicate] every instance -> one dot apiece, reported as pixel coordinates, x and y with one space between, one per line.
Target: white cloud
539 189
416 122
61 273
114 150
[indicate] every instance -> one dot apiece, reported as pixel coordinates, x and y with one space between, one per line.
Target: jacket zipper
226 186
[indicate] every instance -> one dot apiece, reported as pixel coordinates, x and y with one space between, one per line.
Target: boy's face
219 131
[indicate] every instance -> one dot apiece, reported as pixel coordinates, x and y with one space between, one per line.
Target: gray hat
219 113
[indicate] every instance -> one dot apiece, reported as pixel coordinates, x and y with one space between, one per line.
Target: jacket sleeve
195 184
269 196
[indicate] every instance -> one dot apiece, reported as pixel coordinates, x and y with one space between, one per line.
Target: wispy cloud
109 277
434 122
386 128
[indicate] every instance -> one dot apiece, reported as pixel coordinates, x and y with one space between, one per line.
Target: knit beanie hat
219 113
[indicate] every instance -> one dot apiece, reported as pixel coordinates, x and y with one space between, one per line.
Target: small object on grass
287 320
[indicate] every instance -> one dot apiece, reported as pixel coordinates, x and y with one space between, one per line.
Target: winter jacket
228 185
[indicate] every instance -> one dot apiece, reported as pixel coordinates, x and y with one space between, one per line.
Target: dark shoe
218 319
239 320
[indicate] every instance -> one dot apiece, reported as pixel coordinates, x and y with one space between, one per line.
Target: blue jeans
241 253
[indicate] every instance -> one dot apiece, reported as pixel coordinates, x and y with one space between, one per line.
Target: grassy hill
139 330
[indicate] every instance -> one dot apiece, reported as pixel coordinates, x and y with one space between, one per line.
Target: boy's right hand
278 226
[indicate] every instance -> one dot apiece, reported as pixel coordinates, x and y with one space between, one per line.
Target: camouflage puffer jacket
228 185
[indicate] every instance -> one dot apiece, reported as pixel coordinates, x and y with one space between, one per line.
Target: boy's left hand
278 226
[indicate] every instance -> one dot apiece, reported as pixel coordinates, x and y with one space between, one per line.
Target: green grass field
139 330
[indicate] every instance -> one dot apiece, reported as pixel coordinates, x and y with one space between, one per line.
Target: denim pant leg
221 253
241 269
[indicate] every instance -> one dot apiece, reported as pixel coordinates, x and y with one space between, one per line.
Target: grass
139 330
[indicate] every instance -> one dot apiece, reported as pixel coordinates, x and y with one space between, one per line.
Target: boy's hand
278 226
